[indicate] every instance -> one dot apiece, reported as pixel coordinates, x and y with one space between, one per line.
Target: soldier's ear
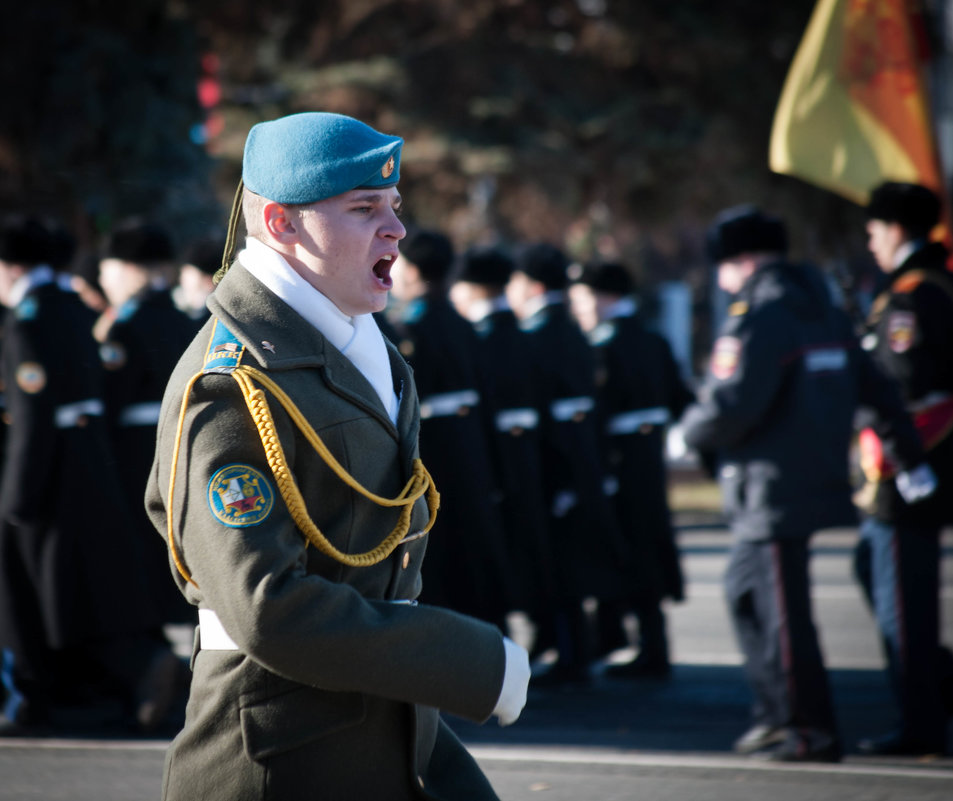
280 222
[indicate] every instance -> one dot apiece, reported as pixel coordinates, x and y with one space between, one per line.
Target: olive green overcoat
333 691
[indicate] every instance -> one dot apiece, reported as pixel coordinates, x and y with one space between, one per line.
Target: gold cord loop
419 484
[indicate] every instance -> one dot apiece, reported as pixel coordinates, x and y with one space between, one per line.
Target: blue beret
304 158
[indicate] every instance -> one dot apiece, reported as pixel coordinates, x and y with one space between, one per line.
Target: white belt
68 415
140 414
448 403
212 634
630 422
213 637
508 419
567 408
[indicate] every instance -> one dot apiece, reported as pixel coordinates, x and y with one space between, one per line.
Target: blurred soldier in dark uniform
513 403
778 405
69 583
640 391
143 335
589 549
911 337
468 567
201 259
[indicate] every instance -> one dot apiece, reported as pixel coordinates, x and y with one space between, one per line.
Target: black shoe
759 737
807 745
640 668
895 744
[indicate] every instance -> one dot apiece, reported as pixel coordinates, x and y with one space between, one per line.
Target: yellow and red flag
854 110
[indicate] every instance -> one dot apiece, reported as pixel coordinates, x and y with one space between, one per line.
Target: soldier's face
884 240
584 306
8 277
346 245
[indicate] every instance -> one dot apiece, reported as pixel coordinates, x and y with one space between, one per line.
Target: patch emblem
239 496
725 356
113 355
31 377
388 169
901 329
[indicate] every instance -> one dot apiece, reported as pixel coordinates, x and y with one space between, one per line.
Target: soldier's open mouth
382 271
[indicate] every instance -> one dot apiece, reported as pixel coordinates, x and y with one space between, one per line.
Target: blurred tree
601 124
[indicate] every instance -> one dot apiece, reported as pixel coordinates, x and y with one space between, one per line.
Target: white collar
358 337
483 308
623 307
552 297
906 250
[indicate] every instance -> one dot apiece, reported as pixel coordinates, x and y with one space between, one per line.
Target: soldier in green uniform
288 485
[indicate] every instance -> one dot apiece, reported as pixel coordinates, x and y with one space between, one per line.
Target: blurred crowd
545 400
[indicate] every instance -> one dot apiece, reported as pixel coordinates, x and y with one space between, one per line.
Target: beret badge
388 169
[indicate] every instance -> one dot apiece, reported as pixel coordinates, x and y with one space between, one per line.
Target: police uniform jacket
65 552
587 543
513 404
469 567
640 391
334 684
778 404
140 350
911 338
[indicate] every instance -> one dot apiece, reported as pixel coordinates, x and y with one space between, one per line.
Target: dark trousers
767 586
902 568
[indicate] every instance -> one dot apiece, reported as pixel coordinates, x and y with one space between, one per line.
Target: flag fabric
854 111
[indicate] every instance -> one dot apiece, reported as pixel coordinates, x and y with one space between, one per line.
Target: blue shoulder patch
27 309
224 350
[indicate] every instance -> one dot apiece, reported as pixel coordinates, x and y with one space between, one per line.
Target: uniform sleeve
914 335
748 363
297 624
882 408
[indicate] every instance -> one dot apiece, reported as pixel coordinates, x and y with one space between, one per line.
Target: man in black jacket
910 335
777 407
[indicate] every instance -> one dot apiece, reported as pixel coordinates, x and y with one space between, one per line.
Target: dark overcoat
468 550
69 574
513 403
588 546
334 684
640 391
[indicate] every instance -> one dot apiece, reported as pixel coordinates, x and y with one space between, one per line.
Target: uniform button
406 561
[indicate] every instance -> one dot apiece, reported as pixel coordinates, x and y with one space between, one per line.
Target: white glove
515 683
917 483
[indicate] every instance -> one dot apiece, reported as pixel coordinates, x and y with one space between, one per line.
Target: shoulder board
27 309
738 308
224 351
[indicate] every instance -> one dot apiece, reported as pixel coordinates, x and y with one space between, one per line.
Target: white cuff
515 683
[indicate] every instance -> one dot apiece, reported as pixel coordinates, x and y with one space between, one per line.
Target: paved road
651 741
